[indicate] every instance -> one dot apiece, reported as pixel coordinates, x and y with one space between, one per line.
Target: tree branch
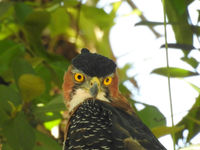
143 18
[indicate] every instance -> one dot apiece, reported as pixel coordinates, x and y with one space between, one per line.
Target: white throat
81 95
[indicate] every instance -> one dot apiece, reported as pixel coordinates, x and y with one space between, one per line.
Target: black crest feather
93 64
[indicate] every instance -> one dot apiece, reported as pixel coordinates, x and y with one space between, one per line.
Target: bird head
90 77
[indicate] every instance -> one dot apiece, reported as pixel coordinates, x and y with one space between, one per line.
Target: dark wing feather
99 125
135 127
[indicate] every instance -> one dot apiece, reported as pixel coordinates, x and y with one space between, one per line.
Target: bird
99 116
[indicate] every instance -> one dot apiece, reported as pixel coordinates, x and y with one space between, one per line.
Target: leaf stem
168 76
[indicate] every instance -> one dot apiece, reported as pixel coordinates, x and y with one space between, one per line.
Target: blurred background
39 38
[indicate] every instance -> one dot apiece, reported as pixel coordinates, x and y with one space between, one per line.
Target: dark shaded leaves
19 134
150 23
179 46
44 142
8 94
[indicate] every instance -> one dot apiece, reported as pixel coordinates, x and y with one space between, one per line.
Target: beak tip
94 91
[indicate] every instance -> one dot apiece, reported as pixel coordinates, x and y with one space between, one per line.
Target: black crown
93 64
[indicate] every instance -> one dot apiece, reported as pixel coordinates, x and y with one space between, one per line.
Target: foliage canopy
38 39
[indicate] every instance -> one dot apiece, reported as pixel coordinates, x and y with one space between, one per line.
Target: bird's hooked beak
94 86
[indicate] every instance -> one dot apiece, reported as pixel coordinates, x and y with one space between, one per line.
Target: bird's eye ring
79 77
107 81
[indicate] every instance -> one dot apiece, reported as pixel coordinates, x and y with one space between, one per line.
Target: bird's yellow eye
107 81
79 77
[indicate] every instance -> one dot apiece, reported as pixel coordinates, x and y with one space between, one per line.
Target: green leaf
9 51
31 86
179 46
59 21
55 106
194 86
123 71
163 130
191 61
37 21
5 146
59 68
45 74
34 25
103 20
44 142
49 125
6 44
178 14
174 72
19 134
180 6
123 89
8 94
4 7
152 117
190 122
4 117
150 23
20 67
22 10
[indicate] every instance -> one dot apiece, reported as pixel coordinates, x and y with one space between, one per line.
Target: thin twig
143 18
168 75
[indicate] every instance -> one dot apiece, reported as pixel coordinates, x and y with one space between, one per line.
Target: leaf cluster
185 33
38 39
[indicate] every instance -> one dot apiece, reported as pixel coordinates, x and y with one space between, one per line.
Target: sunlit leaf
191 61
31 86
194 86
152 117
174 72
163 130
49 125
116 6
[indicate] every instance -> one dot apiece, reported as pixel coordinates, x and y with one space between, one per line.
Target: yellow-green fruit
30 86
